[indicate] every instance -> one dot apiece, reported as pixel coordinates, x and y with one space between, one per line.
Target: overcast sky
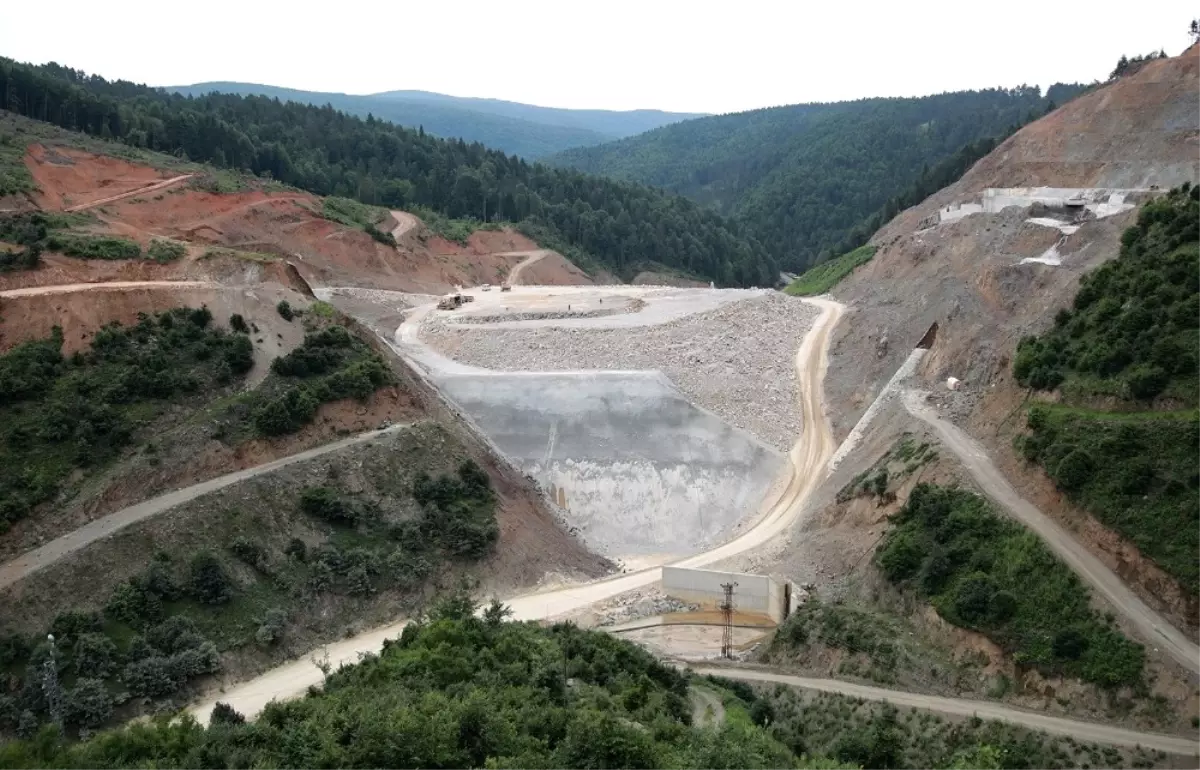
617 54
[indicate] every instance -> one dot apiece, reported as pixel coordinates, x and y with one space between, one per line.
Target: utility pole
727 609
50 685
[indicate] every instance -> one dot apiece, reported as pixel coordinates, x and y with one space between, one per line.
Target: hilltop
519 129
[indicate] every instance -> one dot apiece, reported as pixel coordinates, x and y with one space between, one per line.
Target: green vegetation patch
866 734
59 414
456 690
14 176
1129 341
330 365
825 276
93 246
878 639
1134 321
350 212
453 229
1135 471
991 575
164 250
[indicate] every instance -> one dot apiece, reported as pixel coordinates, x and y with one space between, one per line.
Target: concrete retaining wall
635 466
753 595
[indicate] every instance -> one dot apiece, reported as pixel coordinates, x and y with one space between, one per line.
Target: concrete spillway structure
633 464
753 595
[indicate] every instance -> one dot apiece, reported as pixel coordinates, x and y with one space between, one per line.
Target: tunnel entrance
927 341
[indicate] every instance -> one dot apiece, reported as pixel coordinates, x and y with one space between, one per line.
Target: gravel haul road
1155 630
1084 731
805 470
42 557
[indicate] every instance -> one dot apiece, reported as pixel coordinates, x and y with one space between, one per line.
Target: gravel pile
737 361
640 603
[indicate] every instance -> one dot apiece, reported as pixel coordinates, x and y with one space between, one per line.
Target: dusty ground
67 177
736 360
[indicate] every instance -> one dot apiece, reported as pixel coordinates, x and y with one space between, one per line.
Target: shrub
1074 469
151 677
224 714
94 655
163 250
132 604
174 635
88 703
287 413
250 552
285 310
296 549
93 247
271 629
325 503
238 324
208 582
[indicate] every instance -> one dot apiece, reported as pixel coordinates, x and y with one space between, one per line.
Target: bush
1074 469
94 655
238 324
326 504
88 703
271 629
208 582
162 250
151 677
224 714
93 247
285 310
131 603
249 551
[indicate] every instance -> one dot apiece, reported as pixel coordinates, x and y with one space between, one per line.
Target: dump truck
505 287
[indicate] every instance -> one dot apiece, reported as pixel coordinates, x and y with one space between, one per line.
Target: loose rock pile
737 361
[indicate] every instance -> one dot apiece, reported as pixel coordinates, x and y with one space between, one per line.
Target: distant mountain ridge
804 179
526 130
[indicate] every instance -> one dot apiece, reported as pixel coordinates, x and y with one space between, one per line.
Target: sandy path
781 510
707 709
514 276
1154 629
42 557
404 223
140 191
70 288
1084 731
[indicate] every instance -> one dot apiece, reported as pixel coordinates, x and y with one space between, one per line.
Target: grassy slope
823 277
1129 343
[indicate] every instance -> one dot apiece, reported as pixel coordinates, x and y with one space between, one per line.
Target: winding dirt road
71 288
806 468
1154 629
404 223
514 275
140 191
42 557
1086 731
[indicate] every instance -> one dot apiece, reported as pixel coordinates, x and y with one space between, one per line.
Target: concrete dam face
634 465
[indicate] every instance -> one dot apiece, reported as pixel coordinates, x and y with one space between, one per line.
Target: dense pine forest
811 181
618 225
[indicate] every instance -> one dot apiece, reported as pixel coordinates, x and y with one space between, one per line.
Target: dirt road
70 288
1085 731
37 559
805 470
404 223
514 275
140 191
1154 629
707 709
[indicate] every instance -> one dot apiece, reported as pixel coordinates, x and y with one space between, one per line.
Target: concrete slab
634 465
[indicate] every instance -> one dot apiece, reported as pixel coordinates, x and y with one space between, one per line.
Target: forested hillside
525 137
1128 345
616 225
803 178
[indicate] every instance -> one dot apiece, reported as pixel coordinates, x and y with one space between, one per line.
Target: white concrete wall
754 593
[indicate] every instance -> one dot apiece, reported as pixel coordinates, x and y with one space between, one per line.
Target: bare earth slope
967 275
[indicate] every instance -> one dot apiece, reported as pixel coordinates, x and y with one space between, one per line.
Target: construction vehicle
486 287
451 302
505 287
